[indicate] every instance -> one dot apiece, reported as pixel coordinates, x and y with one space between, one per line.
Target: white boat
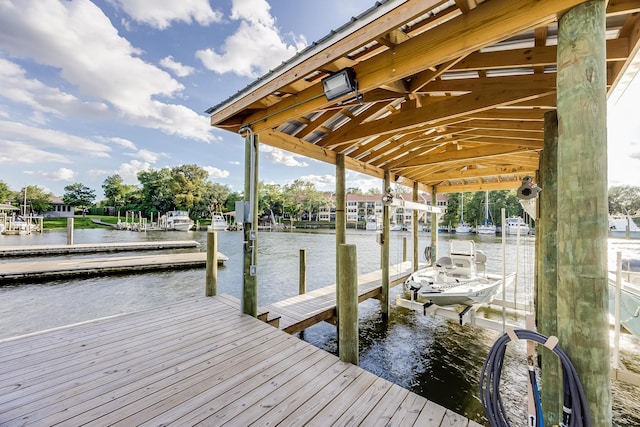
515 223
218 222
463 227
372 223
178 220
486 227
629 303
458 279
618 225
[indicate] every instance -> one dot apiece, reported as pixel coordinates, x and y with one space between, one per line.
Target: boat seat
481 262
444 262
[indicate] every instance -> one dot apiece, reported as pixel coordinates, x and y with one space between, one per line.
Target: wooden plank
34 250
409 410
86 267
451 419
214 366
382 414
432 416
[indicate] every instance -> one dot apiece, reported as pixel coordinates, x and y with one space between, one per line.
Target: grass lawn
79 222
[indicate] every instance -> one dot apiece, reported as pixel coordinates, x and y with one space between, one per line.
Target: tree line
187 187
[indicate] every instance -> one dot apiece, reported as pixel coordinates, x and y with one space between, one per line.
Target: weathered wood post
547 266
384 254
404 249
302 285
250 226
211 277
70 231
583 327
434 227
414 226
348 303
341 221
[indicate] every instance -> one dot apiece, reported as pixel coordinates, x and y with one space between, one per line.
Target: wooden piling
434 227
70 231
384 251
348 304
547 267
341 217
211 277
302 285
414 227
404 249
250 288
583 327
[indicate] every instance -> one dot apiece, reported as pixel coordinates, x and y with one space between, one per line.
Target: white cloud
235 162
256 46
322 182
161 13
62 174
39 137
363 182
123 142
149 156
80 41
129 171
14 152
15 86
215 172
178 69
276 155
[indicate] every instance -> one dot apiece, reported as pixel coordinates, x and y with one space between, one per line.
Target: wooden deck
195 362
85 267
38 250
302 311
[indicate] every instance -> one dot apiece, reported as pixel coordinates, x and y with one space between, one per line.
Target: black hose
575 411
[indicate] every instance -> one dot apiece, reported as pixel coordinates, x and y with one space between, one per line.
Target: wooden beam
481 173
617 50
394 19
488 23
480 186
451 156
450 108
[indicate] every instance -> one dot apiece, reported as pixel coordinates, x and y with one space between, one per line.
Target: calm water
433 357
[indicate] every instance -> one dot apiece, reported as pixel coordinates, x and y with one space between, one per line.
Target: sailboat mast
486 207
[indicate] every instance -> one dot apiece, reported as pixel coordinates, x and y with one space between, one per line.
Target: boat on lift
218 222
457 279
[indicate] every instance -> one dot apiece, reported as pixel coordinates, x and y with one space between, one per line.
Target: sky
89 89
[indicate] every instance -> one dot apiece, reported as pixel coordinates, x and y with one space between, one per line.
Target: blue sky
90 89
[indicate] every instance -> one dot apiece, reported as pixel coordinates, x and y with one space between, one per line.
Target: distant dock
83 248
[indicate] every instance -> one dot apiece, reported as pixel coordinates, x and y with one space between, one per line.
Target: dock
32 271
195 361
300 312
83 248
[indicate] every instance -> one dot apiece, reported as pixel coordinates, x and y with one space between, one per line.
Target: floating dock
31 271
83 248
196 361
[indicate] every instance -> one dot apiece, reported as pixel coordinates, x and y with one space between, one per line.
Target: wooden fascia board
517 114
633 32
480 173
511 125
487 24
470 154
450 108
537 81
622 7
380 26
507 134
479 186
535 144
617 50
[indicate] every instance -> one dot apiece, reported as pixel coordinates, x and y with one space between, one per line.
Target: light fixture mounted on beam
340 84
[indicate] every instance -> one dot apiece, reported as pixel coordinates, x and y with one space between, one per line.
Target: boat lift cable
575 408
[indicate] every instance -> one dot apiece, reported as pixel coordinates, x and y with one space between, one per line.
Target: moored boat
218 222
178 220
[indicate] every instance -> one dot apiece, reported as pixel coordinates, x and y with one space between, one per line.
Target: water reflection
433 357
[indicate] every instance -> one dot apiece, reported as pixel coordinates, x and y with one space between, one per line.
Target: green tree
156 195
624 199
79 196
114 190
270 198
37 199
213 199
187 184
5 192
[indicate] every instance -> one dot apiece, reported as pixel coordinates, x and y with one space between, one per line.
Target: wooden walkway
86 267
195 362
302 311
38 250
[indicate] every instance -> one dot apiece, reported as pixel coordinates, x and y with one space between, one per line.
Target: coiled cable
575 407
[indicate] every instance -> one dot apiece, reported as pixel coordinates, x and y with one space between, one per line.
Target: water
430 356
